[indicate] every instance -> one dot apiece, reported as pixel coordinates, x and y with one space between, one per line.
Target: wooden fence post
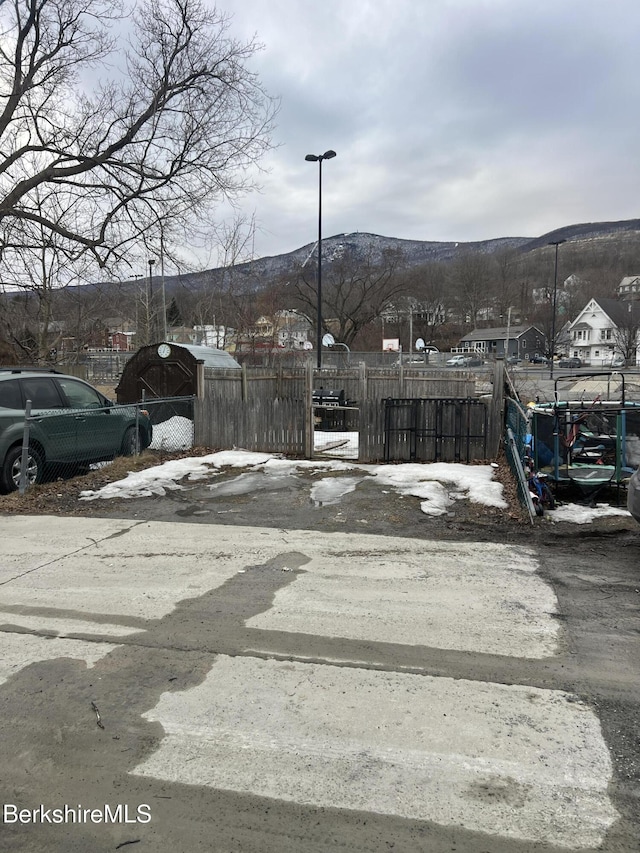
245 384
362 370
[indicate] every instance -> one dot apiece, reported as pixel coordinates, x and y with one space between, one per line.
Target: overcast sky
451 119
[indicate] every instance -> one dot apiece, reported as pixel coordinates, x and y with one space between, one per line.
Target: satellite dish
307 345
420 344
328 340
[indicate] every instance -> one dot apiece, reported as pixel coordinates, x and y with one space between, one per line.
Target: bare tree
103 138
39 269
506 281
427 285
626 335
226 299
470 279
355 290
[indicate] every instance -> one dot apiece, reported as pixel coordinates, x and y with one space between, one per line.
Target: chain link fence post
24 459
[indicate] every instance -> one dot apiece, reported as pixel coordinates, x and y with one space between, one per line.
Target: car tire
10 475
130 446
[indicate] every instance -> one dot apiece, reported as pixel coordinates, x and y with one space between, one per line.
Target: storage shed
169 370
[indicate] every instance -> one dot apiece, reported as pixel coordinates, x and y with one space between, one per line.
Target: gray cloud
452 119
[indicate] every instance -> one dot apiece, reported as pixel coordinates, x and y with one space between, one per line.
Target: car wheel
130 444
12 467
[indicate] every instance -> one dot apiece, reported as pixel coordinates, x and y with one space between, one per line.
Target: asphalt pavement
194 687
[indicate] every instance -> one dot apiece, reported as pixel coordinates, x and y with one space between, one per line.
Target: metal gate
435 430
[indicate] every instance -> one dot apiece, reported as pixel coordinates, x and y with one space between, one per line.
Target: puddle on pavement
332 489
251 482
329 490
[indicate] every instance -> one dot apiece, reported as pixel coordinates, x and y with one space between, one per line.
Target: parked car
633 495
462 360
514 359
617 361
536 358
74 426
410 359
570 362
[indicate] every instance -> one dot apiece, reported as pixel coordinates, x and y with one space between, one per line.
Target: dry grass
61 496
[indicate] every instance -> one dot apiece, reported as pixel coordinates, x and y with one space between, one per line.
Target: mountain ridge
414 252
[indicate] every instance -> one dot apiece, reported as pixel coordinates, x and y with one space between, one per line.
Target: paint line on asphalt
64 626
21 650
467 597
512 761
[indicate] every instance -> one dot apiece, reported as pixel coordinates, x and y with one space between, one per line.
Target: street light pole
318 158
151 323
555 243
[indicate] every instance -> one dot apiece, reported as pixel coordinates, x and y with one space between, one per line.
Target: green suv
72 425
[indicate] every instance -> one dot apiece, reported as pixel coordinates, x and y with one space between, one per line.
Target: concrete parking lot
183 686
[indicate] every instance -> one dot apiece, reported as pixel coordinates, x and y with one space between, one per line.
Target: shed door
166 379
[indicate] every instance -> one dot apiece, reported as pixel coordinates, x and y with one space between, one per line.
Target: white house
629 287
603 329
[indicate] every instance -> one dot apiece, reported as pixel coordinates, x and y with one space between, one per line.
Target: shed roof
211 356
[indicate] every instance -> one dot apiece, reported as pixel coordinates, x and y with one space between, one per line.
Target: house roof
618 311
498 333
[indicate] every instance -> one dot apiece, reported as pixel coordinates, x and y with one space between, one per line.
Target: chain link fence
516 430
172 419
60 443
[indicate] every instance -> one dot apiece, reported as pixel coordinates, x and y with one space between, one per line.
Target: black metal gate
435 430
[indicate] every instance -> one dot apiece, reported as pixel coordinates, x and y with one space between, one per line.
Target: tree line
123 127
365 296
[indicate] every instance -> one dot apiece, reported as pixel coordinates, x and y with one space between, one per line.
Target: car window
81 396
42 392
10 396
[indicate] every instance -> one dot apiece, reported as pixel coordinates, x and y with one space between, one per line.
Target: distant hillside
257 273
584 231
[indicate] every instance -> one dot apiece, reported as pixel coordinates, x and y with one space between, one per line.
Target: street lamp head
556 242
314 158
151 262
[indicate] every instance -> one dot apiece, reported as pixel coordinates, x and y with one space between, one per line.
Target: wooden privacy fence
271 410
359 383
268 426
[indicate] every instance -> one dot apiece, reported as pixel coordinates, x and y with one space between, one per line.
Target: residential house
606 328
521 341
183 335
121 334
218 337
292 329
121 341
285 329
629 287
